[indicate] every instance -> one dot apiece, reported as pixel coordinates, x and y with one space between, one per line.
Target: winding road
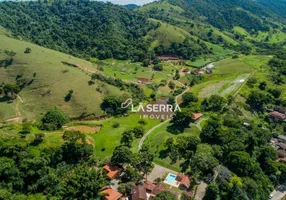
162 123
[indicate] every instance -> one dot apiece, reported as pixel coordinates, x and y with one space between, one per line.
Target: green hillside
51 81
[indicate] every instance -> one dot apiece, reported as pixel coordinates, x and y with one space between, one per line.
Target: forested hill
225 14
277 6
81 28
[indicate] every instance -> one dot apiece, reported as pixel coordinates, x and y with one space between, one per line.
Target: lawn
156 140
109 137
51 83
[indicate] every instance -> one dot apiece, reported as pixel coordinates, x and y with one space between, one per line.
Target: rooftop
197 116
111 194
139 193
277 115
112 171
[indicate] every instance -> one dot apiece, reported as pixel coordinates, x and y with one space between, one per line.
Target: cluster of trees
81 28
128 135
54 119
135 90
112 105
186 50
244 152
136 166
65 172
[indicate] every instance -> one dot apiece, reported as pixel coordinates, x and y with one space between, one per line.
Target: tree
132 174
172 85
182 118
11 90
39 138
257 100
28 50
126 188
54 119
144 160
266 154
216 103
158 67
68 96
75 149
112 105
262 85
189 97
146 63
127 138
26 128
165 195
121 155
138 131
212 192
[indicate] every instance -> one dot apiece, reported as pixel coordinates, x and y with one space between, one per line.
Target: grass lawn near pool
156 140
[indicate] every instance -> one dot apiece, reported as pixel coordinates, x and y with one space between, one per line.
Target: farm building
168 57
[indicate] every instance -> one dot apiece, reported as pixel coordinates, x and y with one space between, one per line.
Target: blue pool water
171 178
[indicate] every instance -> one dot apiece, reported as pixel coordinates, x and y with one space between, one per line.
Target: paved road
279 193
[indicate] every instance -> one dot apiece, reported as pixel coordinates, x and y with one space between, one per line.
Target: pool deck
159 172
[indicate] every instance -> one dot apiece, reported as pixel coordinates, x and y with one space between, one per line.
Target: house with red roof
196 116
110 194
184 181
139 193
112 171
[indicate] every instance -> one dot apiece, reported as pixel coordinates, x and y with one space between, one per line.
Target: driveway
201 191
279 193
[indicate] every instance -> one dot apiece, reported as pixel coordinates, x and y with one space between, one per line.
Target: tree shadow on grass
6 99
175 129
185 165
164 153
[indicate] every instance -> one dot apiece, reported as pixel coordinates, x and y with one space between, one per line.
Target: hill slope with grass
49 81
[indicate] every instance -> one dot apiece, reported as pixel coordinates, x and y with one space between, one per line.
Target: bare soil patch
84 128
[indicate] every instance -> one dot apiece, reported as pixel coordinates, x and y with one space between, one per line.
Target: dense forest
81 28
226 14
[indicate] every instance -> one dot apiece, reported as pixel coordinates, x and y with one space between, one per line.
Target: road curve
158 125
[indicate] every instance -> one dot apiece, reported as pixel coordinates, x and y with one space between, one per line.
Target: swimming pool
171 179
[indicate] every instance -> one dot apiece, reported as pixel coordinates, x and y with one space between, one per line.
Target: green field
157 140
109 137
51 83
226 78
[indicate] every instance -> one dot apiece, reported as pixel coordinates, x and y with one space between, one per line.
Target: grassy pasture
109 137
226 78
157 140
51 84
